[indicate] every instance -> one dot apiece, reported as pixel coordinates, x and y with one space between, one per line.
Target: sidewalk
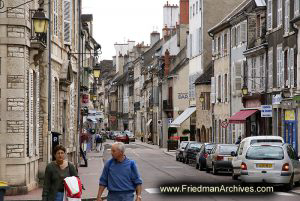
151 146
88 175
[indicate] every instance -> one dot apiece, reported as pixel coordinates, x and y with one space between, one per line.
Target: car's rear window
227 149
265 153
183 144
265 140
193 146
209 147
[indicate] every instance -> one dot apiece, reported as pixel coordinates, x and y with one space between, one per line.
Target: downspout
212 105
79 81
49 84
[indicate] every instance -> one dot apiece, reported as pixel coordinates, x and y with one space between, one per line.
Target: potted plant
186 131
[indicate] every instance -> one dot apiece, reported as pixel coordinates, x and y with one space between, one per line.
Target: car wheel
234 177
197 166
214 171
290 185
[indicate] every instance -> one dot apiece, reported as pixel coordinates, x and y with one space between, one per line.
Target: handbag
73 189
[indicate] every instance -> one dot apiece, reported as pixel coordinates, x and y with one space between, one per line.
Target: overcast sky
116 21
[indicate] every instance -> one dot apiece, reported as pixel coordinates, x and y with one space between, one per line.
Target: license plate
230 158
264 165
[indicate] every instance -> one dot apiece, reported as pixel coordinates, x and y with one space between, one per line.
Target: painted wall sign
289 115
266 111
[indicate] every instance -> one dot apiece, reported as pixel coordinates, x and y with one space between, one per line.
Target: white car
243 146
274 163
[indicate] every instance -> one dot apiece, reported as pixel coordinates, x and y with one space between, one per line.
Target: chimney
167 62
184 12
154 37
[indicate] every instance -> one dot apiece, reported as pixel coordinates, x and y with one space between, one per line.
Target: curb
295 192
144 145
168 153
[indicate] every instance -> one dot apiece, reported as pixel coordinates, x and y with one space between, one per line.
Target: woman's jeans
120 196
59 196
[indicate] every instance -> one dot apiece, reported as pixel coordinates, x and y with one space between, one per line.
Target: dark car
179 151
202 156
190 151
220 158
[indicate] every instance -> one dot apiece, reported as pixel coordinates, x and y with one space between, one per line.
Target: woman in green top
55 174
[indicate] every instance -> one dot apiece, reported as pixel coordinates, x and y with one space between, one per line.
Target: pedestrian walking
98 141
238 140
120 176
56 172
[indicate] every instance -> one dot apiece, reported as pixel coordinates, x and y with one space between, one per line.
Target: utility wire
15 6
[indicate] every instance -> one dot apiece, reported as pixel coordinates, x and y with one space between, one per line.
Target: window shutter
249 64
67 22
213 90
217 46
213 47
296 2
269 13
288 81
37 119
232 36
292 68
278 66
217 89
282 69
286 16
238 76
200 40
222 88
228 43
279 13
55 17
30 115
270 69
222 45
243 32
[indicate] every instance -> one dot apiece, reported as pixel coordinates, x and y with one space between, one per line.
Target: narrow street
157 167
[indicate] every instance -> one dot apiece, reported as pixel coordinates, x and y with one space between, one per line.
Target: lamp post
245 90
40 25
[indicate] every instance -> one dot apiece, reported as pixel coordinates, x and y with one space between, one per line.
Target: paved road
157 167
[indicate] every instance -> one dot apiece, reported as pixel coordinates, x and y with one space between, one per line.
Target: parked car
122 137
274 163
191 151
220 158
202 156
243 146
115 134
130 135
179 151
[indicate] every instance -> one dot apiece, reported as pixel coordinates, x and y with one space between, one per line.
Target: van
241 151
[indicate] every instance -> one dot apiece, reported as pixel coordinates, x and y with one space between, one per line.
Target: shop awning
149 122
241 116
181 118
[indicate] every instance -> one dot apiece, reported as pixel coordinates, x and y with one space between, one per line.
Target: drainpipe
213 135
49 84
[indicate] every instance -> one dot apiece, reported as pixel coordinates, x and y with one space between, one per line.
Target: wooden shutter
286 16
213 47
296 6
232 36
279 13
30 120
67 21
278 55
222 45
217 89
270 69
269 15
288 68
243 32
292 68
282 69
238 76
213 90
37 119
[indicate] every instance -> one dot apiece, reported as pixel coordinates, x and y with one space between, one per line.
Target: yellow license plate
264 165
230 158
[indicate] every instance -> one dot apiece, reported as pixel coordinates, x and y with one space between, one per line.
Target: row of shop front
265 114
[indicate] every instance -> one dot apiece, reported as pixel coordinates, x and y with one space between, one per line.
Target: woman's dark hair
59 147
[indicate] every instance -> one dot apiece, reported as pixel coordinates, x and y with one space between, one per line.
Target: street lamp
40 22
96 73
245 90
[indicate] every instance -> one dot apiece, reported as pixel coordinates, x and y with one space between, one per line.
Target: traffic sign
224 124
266 111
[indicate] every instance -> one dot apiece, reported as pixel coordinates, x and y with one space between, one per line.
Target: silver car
275 163
220 158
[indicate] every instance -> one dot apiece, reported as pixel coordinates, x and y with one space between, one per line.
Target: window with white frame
287 16
279 13
296 7
290 68
269 15
55 17
67 21
280 67
233 36
270 68
253 73
238 35
219 88
243 32
213 90
226 88
238 76
219 46
225 43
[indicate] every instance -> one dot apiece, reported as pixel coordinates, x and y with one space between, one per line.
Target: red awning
241 116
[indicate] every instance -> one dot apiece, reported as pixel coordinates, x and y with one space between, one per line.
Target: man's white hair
120 146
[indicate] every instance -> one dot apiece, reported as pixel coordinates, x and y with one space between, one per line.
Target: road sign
170 120
224 124
266 111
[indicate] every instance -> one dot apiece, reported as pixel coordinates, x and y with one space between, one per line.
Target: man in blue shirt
120 176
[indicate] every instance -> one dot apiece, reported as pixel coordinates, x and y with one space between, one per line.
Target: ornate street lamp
40 22
245 90
96 73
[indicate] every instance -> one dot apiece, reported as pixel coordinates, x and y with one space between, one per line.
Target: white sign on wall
266 111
